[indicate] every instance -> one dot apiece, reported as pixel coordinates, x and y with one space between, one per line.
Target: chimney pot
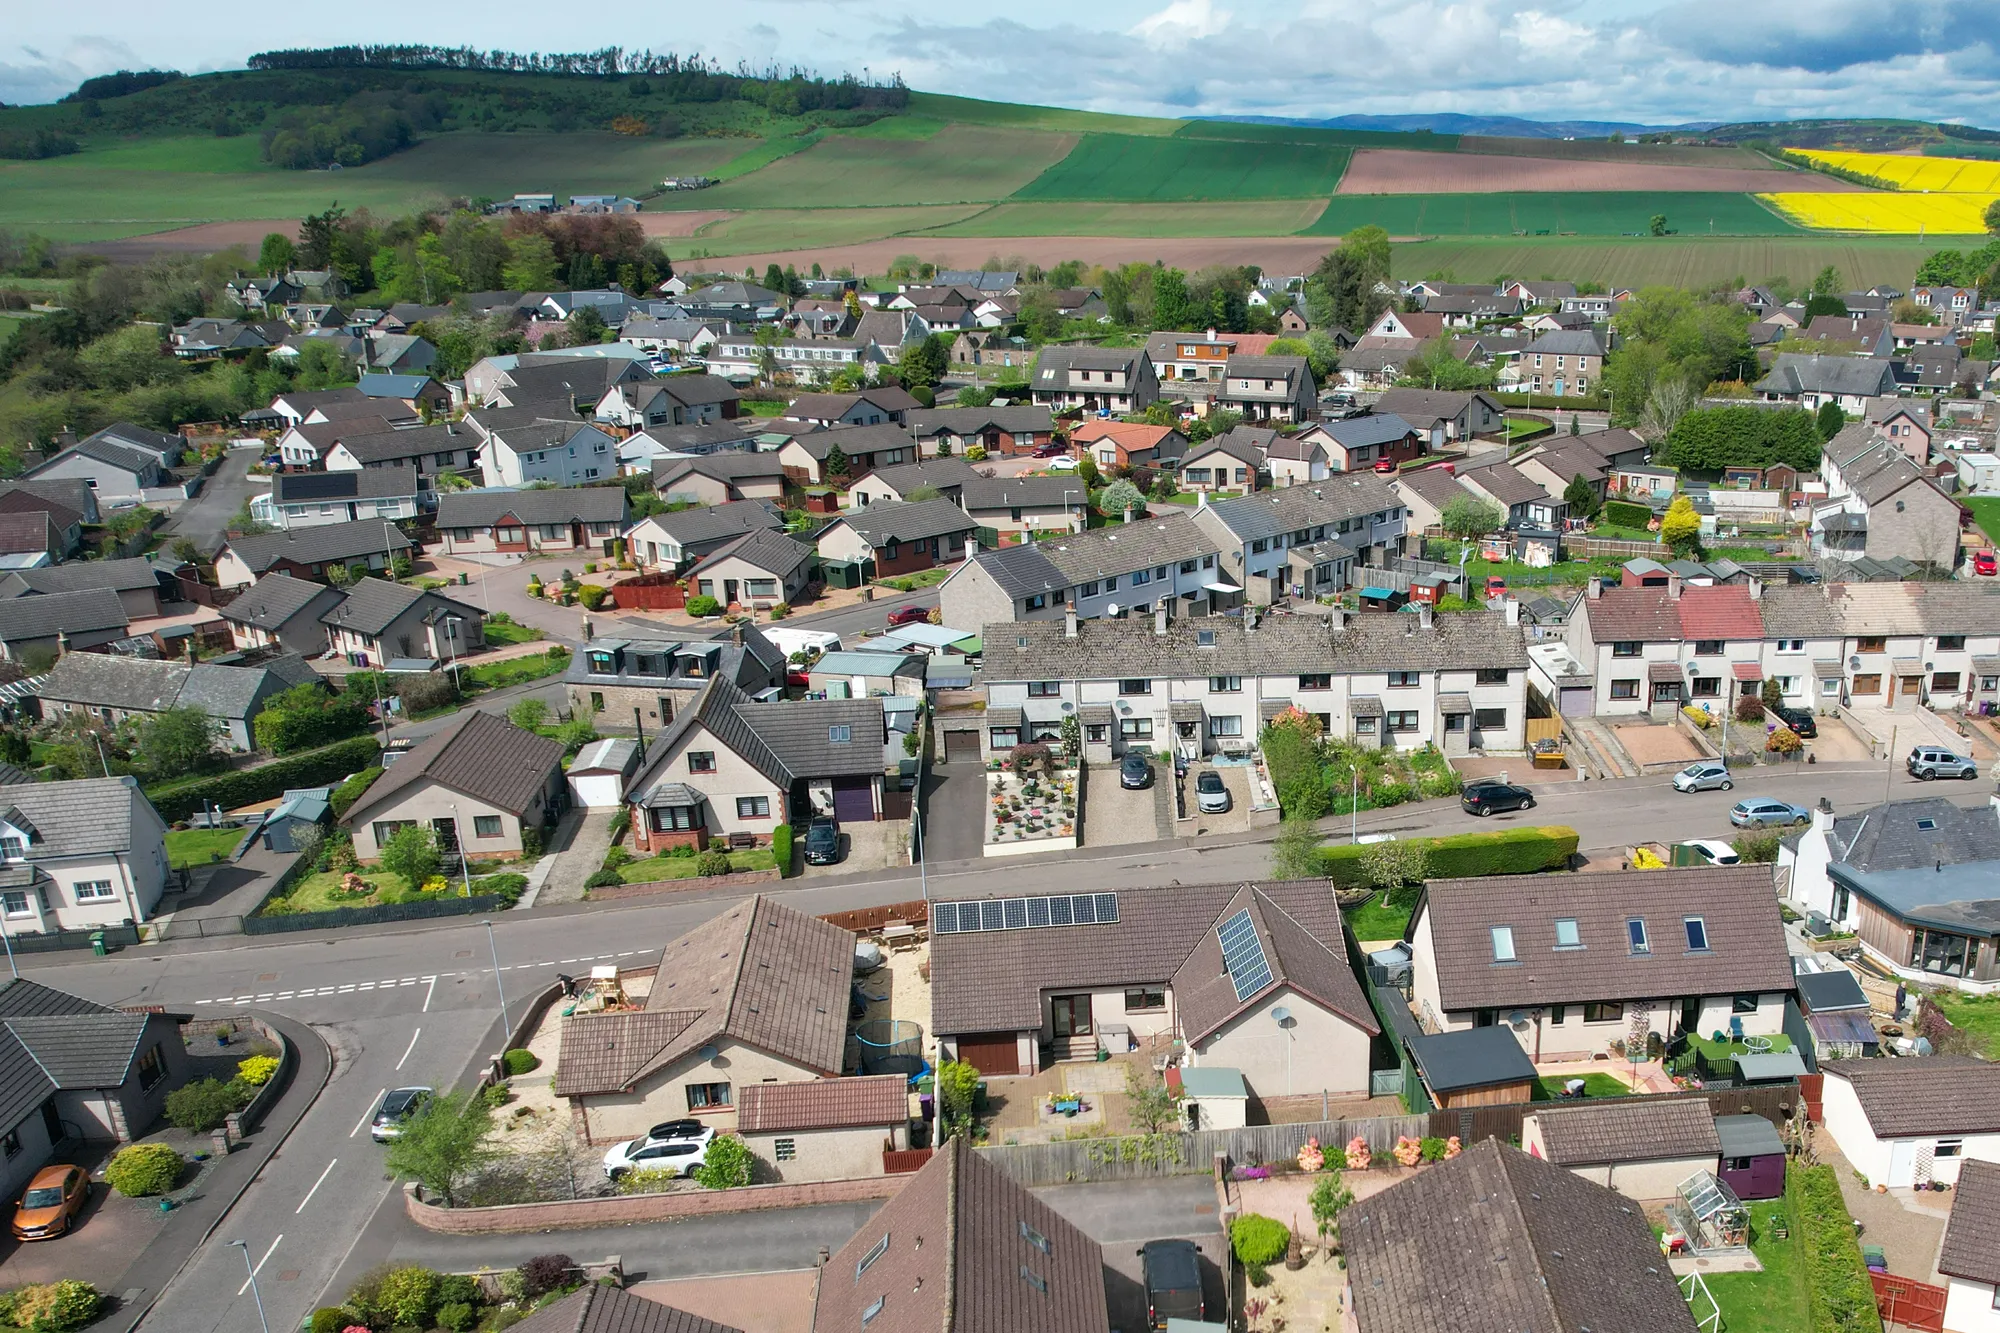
1160 618
1673 587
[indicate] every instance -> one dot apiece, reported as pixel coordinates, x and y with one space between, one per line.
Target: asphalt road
419 1004
848 622
204 519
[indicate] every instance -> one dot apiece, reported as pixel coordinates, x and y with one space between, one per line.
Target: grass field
959 163
1979 1015
199 846
1603 150
1938 174
1936 215
1773 1301
1014 115
1594 1085
1978 152
792 229
1608 213
1250 132
1198 218
1125 166
1377 920
1674 261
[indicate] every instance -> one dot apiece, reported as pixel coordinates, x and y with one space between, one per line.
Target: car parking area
1114 814
1236 819
880 845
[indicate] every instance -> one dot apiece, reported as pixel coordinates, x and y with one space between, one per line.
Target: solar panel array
1065 909
1243 955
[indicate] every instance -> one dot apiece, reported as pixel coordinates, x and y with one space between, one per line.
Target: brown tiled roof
1504 483
759 973
481 755
992 981
1206 999
597 1309
1971 1247
959 1244
1496 1241
1632 1131
827 1103
1639 615
1938 1094
1745 936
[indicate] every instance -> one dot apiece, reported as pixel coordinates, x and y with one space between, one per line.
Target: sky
1619 60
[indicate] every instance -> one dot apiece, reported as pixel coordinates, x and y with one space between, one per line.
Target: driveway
581 839
1236 819
955 812
877 845
204 519
1114 815
1123 1215
1894 734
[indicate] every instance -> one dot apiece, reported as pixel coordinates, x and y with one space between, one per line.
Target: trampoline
891 1046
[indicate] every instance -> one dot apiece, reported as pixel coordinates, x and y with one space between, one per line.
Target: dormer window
1567 935
1503 944
604 664
1635 933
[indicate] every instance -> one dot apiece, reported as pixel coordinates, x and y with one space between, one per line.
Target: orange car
53 1199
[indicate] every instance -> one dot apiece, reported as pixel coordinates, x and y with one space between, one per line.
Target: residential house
756 571
1472 309
739 302
1566 364
1292 459
307 553
858 675
719 478
416 393
282 612
862 449
378 623
79 855
1222 465
976 347
39 629
653 680
896 538
69 504
1888 508
1201 967
1644 483
672 400
672 337
425 451
1025 504
1350 444
1600 306
1900 1121
1543 293
479 783
1654 649
742 358
1527 504
756 995
116 473
1109 571
1572 963
596 1308
1377 362
1094 379
1559 463
1425 492
946 476
1443 416
638 452
1403 324
825 1129
1969 1253
1895 646
1850 335
1808 380
316 499
963 1247
1557 1252
114 689
1123 444
1908 424
1001 431
135 581
666 543
32 537
204 339
575 375
568 453
1193 365
1253 532
585 519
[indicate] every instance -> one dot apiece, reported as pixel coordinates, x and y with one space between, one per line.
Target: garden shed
306 807
1753 1156
1641 1147
1474 1067
1212 1096
598 774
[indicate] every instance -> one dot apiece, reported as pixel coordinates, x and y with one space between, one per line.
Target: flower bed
1030 813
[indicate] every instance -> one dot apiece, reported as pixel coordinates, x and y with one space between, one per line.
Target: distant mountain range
1502 126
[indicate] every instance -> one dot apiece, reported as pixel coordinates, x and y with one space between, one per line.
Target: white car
1062 465
1714 852
680 1154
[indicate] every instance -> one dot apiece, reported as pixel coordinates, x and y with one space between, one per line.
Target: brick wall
626 1209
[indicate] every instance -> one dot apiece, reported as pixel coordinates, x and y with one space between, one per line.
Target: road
204 519
419 1004
849 622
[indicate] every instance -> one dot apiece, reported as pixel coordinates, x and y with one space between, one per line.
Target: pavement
581 839
205 518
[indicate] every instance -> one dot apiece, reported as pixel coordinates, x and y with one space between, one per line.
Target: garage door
961 743
854 800
990 1052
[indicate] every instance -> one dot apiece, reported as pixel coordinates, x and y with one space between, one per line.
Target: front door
1072 1015
52 1121
447 835
728 592
1690 1014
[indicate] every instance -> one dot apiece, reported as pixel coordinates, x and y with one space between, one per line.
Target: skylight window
1567 935
875 1251
1697 931
1635 931
1034 1238
1034 1279
840 735
1503 944
1927 825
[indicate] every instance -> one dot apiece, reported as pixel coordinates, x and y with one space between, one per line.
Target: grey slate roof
119 575
1567 342
1046 567
275 599
1798 372
1505 484
692 527
1421 407
768 550
1344 495
728 465
1369 429
46 616
1935 1094
1626 1131
389 445
80 818
476 754
1471 1058
1014 419
51 1040
1971 1245
785 741
324 544
373 604
1022 492
547 504
374 483
902 521
1887 837
854 440
935 472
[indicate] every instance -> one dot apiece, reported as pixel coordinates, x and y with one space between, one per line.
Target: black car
1173 1281
1799 720
1134 772
822 842
1486 797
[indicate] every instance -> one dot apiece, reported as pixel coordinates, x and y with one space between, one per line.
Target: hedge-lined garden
1515 851
1842 1300
1315 776
314 768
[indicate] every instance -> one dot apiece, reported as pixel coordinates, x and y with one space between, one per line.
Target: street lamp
458 836
255 1295
506 1027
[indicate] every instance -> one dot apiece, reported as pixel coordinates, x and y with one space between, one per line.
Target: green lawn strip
1986 513
683 867
512 671
508 632
320 892
923 578
1775 1300
1377 920
200 846
1978 1015
1839 1295
1594 1085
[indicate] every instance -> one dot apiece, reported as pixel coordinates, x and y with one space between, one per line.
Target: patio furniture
1757 1045
899 935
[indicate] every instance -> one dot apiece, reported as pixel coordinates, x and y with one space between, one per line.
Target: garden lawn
513 671
1377 920
321 892
683 867
1986 513
1594 1085
1773 1301
1978 1015
508 632
923 578
199 846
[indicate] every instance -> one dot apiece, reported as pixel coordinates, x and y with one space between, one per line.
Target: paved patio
1907 1226
1651 743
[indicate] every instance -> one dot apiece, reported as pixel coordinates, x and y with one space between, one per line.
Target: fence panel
1136 1157
197 928
115 937
1905 1301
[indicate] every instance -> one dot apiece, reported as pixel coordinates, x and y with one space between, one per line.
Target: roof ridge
1520 1214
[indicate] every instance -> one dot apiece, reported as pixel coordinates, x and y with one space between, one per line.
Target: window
1871 644
1404 680
1503 944
784 1150
1791 645
486 826
1567 935
891 549
1624 689
1491 676
1454 724
1625 648
1945 682
1111 584
1405 720
1141 578
1489 719
1085 590
385 829
11 1142
1139 998
1949 1148
840 735
1635 934
597 701
673 818
152 1067
875 1251
94 891
1708 647
1035 1238
1558 1014
701 761
1950 643
510 535
1364 726
1135 687
1187 566
1225 684
707 1096
1869 683
1742 1004
1035 1280
1036 602
1707 687
1697 934
1318 680
1044 689
1604 1013
1225 726
1004 738
753 807
1097 733
1259 546
1136 728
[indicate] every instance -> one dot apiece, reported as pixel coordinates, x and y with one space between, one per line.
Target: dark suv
1173 1281
1799 720
1484 798
822 842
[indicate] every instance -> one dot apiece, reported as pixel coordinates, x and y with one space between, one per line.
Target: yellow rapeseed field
1901 214
1938 175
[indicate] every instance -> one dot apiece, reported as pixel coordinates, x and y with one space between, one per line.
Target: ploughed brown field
1401 171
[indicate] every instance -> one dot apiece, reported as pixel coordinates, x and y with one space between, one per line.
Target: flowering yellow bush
435 884
1645 860
257 1070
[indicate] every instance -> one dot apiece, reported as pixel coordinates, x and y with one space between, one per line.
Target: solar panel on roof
320 485
1243 955
1066 909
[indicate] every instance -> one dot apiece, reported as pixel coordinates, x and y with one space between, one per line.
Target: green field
1672 261
1604 150
1014 115
957 164
1986 513
1603 213
1250 132
1257 217
1126 166
793 229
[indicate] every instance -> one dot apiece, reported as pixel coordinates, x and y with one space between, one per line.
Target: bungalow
1901 1121
1525 503
1094 379
39 629
307 553
1465 310
1103 572
1201 968
1025 504
479 783
652 681
753 997
69 503
666 543
871 407
135 581
736 301
897 538
810 460
1269 388
673 400
577 374
417 393
1969 1252
1000 431
1126 444
1572 963
1443 416
1810 381
719 478
1376 362
638 452
1402 324
1351 444
946 476
113 689
756 571
379 622
1223 465
316 499
585 519
671 337
115 471
282 612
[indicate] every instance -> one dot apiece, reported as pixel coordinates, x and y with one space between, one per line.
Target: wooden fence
1137 1156
1775 1103
1905 1301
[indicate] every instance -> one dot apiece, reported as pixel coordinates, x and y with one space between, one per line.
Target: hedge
1516 851
781 848
1626 514
1840 1296
314 768
1548 402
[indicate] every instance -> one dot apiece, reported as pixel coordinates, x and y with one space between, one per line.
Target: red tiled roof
1131 434
1639 615
1747 671
826 1103
1725 611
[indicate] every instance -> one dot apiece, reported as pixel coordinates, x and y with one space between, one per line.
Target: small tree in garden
1329 1195
411 852
1149 1102
1749 709
1773 694
1680 528
957 1084
444 1145
1395 869
1295 851
1784 741
1072 738
726 1164
1033 757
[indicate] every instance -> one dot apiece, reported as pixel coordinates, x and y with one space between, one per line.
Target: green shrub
781 848
1840 1297
508 887
456 1317
56 1307
780 611
617 857
545 1273
332 1319
592 595
701 604
458 1289
1258 1240
315 768
603 879
347 793
1624 514
257 1070
408 1295
144 1170
726 1164
521 1060
712 863
204 1104
1517 851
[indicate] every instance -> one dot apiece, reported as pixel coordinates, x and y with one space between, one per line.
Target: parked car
1062 464
1172 1270
680 1155
1052 450
909 615
1763 812
1385 465
1713 853
1800 720
1707 775
1211 797
1484 798
822 841
1933 761
1985 564
397 1105
1134 771
1496 585
54 1197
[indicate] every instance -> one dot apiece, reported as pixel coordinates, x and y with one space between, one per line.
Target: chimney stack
1128 515
1596 588
1756 586
1337 619
1249 619
1069 620
1160 618
1512 606
1673 587
1424 615
971 547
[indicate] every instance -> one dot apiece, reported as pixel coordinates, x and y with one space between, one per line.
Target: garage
854 800
991 1052
961 740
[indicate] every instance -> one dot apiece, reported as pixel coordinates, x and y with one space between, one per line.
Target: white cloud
1181 22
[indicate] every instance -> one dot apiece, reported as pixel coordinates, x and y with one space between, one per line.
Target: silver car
1708 775
1763 812
1210 795
1933 761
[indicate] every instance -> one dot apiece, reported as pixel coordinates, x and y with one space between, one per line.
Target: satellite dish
1111 608
708 1052
1854 662
1517 1021
1281 1015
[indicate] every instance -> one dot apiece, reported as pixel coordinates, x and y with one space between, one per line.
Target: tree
1395 868
1993 217
177 741
1828 282
1173 308
1581 496
275 254
1772 694
1680 529
1830 419
774 279
1657 225
957 1084
528 714
1575 426
1086 470
1120 496
585 327
1817 305
1295 852
1149 1102
923 364
836 464
445 1144
531 263
726 1164
306 716
1469 518
1347 287
1433 366
411 852
1329 1195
